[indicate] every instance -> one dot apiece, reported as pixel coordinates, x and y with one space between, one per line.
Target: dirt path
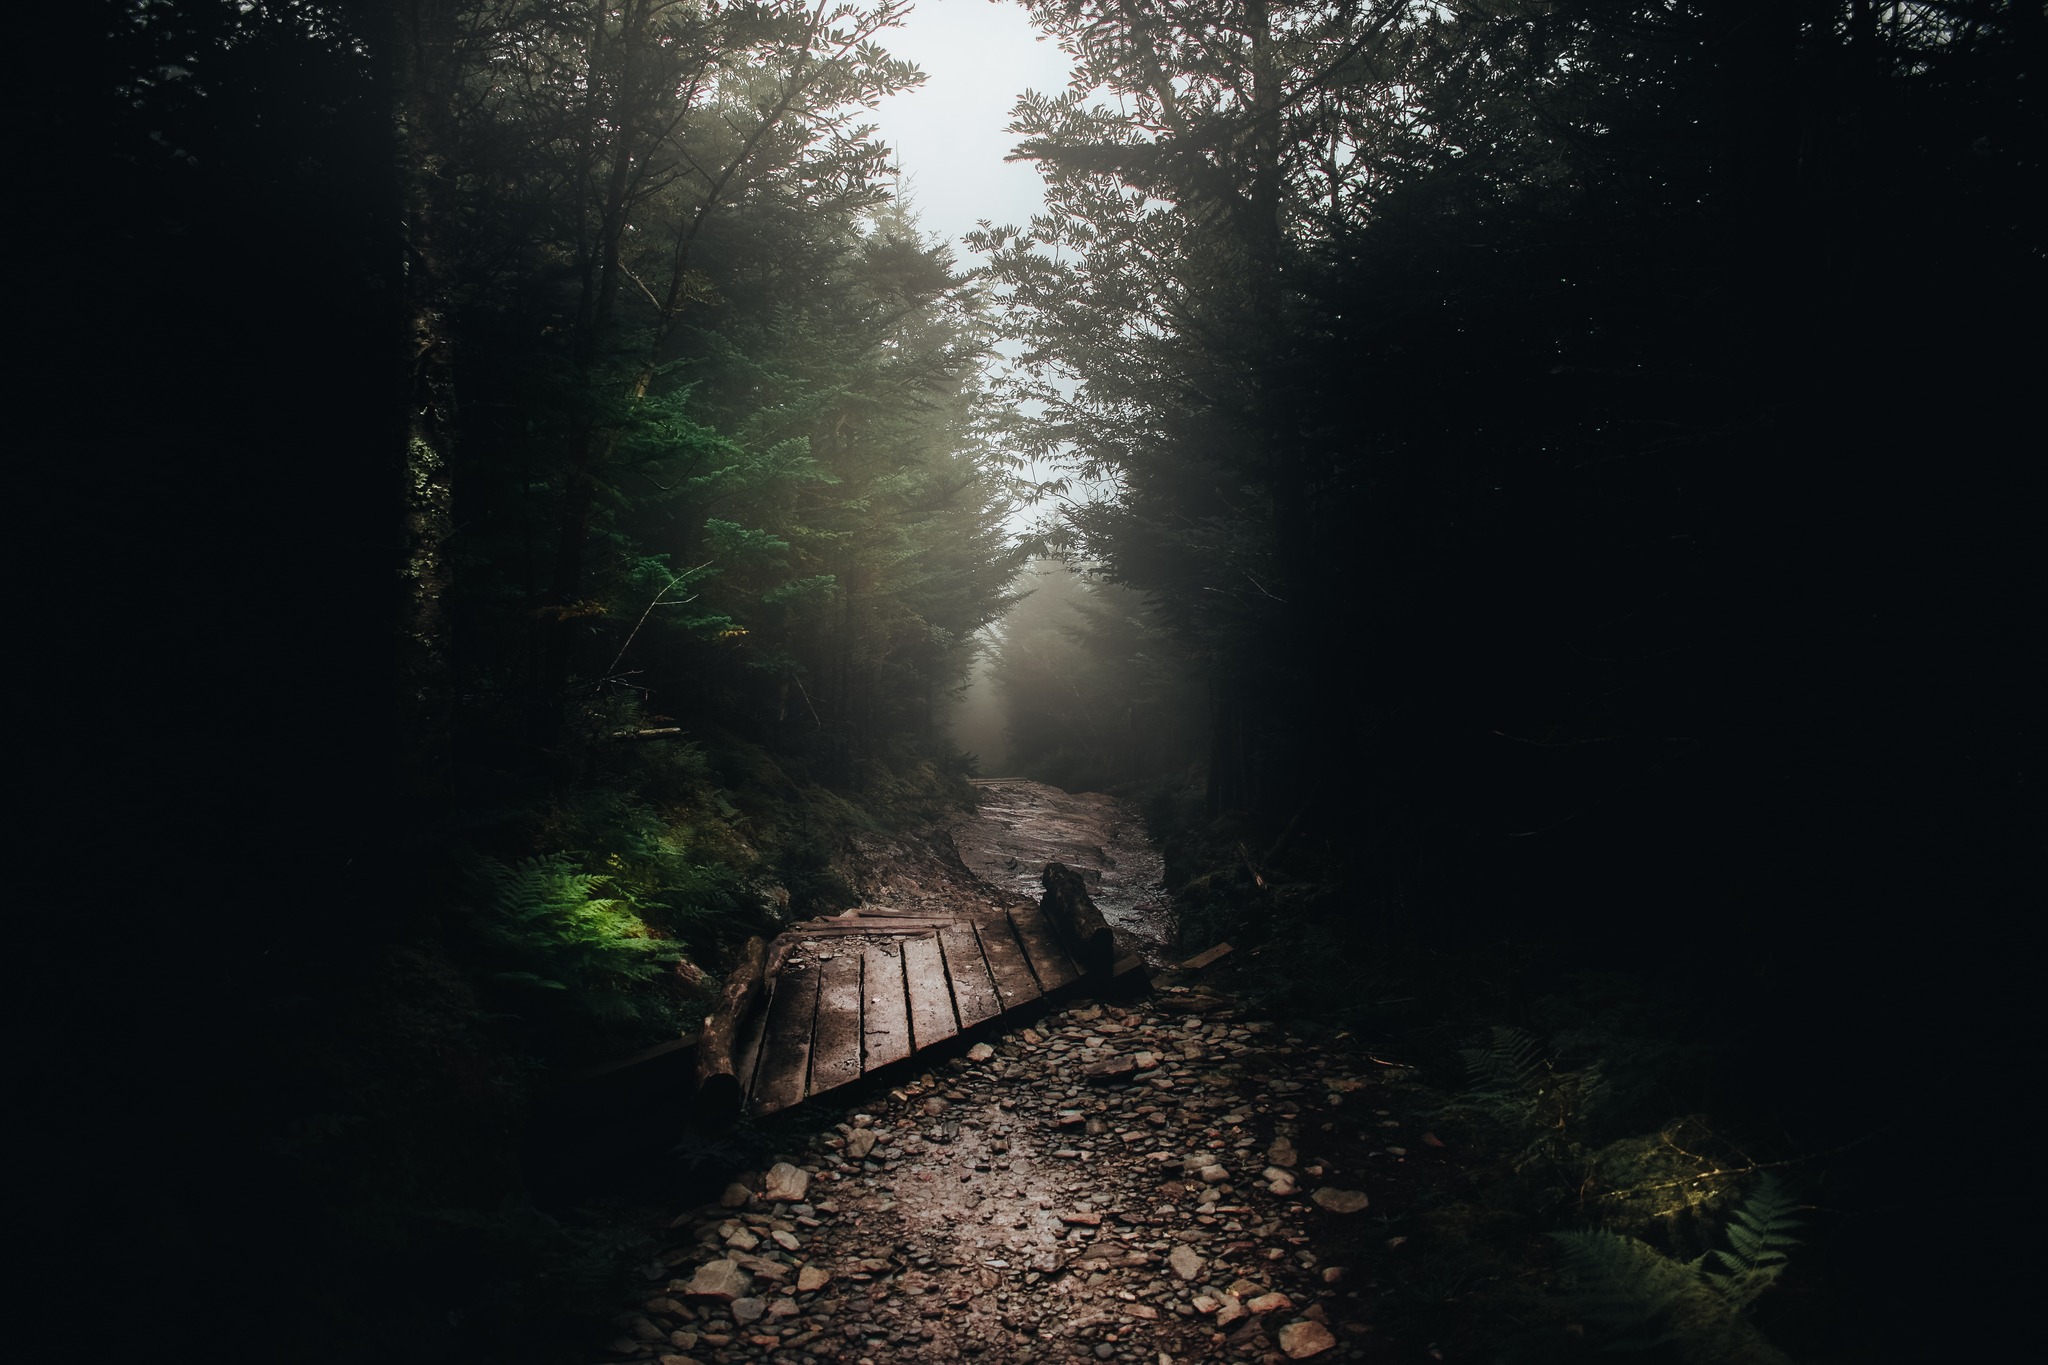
1021 826
1161 1183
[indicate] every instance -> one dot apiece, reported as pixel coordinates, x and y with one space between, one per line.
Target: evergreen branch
683 577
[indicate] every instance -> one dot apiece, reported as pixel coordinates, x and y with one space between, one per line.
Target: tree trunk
425 78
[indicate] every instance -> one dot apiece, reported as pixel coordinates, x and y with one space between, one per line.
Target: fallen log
720 1090
1074 917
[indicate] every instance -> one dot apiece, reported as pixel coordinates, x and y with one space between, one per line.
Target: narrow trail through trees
1161 1181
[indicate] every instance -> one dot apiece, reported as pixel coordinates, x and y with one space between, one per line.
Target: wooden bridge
839 998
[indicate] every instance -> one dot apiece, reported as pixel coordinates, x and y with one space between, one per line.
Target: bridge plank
931 999
835 1041
1049 961
845 928
974 990
885 1013
1007 963
874 916
746 1048
786 1053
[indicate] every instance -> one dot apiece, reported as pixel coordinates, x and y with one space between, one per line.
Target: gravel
1106 1184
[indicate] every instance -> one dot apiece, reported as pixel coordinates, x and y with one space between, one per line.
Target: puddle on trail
1021 826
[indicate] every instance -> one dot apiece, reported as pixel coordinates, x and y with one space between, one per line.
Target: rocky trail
1021 826
1160 1181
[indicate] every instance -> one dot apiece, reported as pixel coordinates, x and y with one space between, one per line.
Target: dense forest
514 496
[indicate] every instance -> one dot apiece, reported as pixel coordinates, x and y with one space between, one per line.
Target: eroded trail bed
1164 1180
1021 826
1181 1203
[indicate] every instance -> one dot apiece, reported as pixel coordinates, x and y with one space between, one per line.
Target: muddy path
1159 1181
1020 826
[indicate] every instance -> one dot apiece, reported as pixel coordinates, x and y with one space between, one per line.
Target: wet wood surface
1006 961
783 1077
931 997
974 990
885 1012
849 995
719 1084
835 1042
1051 963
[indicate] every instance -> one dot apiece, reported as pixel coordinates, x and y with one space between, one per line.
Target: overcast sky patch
978 58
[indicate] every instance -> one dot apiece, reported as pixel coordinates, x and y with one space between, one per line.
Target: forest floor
1162 1180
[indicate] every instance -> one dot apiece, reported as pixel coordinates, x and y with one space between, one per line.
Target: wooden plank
1007 963
835 1042
1130 978
1205 957
746 1048
720 1089
891 921
974 990
931 1001
1049 961
885 1014
786 1051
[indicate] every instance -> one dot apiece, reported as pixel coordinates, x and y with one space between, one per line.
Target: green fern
1509 1063
553 932
1759 1242
1536 1112
1623 1289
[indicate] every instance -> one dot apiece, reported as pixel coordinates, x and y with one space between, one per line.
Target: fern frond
1508 1063
1623 1288
554 930
1760 1239
529 979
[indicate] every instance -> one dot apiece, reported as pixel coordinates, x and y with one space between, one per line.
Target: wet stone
1341 1201
786 1184
1301 1340
721 1279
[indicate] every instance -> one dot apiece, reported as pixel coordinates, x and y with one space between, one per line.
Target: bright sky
977 57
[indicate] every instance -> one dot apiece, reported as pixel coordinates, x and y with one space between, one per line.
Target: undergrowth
1631 1297
1603 1208
476 1201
